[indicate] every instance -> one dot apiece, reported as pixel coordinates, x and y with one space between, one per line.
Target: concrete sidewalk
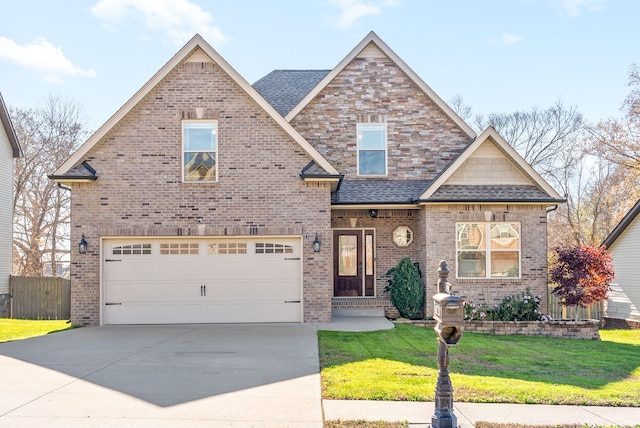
468 414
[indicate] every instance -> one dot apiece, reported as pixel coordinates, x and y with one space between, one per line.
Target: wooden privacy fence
557 311
41 298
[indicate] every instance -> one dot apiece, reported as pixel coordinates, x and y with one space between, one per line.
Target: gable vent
371 51
199 56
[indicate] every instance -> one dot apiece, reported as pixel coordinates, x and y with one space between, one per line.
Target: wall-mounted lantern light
82 245
316 244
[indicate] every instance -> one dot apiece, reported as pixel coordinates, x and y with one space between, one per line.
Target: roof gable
499 163
488 165
622 226
8 128
197 49
373 46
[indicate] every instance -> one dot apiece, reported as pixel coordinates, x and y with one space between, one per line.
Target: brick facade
441 245
435 240
140 192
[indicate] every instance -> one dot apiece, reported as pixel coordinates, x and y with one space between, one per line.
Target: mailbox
448 309
449 313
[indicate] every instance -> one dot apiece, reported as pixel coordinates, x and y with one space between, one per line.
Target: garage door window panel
272 248
176 248
227 248
132 249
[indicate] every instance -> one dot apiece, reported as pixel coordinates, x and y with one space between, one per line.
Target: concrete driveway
164 376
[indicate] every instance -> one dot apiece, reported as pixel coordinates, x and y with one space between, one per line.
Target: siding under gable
6 210
624 299
488 166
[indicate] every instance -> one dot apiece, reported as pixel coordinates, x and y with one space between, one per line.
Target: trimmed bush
405 286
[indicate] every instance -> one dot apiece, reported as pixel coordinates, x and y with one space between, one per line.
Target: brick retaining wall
587 329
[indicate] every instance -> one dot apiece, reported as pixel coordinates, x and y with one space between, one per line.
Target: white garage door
197 280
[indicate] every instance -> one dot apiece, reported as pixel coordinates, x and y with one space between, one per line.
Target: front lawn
400 364
12 329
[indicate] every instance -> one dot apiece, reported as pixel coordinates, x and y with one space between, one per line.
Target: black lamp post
82 245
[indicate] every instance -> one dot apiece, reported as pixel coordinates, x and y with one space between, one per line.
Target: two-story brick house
206 199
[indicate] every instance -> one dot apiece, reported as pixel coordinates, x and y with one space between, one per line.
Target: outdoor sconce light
316 244
82 245
373 213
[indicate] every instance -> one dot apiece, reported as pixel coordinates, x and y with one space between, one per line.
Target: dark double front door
353 263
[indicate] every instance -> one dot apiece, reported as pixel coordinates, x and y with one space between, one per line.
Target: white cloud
41 56
510 39
352 10
575 7
178 19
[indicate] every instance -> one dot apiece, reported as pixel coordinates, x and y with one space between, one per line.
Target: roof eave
491 201
321 177
622 226
65 179
10 130
368 205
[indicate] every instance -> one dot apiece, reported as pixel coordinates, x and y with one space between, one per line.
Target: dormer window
372 149
200 151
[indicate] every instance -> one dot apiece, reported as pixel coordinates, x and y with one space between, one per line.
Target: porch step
355 312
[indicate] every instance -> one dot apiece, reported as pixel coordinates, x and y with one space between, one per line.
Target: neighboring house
206 199
622 308
9 149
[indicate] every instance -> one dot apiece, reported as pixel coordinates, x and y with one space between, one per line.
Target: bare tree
543 137
48 136
618 140
458 105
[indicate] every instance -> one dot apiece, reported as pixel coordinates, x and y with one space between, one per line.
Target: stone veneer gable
422 139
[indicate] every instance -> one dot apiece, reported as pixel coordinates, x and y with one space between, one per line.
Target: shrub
581 275
523 307
405 286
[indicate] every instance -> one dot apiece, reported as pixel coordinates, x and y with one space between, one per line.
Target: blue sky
499 55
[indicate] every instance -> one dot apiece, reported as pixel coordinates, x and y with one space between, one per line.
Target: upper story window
372 148
488 250
200 151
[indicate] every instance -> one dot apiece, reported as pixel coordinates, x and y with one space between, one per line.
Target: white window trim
386 149
488 251
183 151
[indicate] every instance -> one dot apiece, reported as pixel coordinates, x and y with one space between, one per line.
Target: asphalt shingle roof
407 192
81 171
284 89
506 193
379 191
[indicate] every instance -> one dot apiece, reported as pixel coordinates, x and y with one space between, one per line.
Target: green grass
400 364
12 329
